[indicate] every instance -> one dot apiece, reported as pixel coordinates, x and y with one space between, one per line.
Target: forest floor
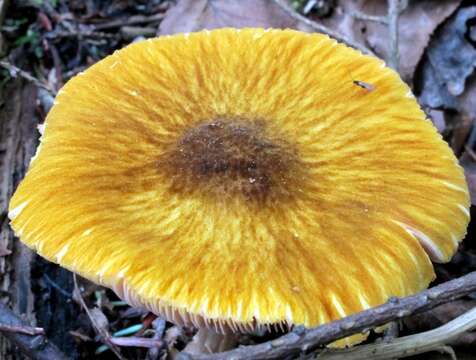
44 43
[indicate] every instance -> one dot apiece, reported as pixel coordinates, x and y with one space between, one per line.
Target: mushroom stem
208 341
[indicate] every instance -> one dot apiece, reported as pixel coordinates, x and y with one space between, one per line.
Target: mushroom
242 179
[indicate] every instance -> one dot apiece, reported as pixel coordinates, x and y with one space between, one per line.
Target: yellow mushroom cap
243 178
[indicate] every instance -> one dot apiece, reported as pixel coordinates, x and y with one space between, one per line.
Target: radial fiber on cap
242 178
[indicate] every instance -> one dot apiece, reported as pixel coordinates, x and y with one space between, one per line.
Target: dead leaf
437 117
417 23
449 62
194 15
344 23
416 26
469 166
467 101
4 251
462 125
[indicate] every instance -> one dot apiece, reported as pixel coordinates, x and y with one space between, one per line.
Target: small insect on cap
239 178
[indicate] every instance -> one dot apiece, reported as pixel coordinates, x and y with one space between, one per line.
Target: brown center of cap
231 157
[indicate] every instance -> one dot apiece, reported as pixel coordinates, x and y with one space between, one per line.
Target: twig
135 20
132 32
104 334
395 8
81 34
472 137
22 329
321 28
447 350
57 287
136 342
302 340
159 326
433 340
378 19
470 152
80 336
29 340
309 6
16 71
69 74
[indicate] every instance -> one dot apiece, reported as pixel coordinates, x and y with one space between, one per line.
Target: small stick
308 7
127 22
136 342
159 326
106 337
361 16
34 346
395 8
16 71
81 34
470 152
392 19
28 330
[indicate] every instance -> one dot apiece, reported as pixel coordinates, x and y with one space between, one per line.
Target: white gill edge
338 305
62 253
38 149
12 214
454 187
41 128
432 249
464 209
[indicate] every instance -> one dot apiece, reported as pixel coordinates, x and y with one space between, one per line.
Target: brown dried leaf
462 124
467 101
344 23
449 62
194 15
469 166
4 251
437 117
417 22
416 25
